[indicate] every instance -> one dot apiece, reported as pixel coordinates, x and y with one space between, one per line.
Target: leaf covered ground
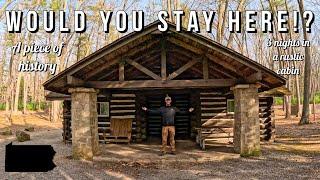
294 155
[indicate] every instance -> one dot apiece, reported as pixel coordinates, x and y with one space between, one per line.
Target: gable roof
103 58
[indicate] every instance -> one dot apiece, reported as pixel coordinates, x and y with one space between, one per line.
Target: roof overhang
110 54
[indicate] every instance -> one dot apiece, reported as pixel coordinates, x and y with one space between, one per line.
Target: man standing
168 113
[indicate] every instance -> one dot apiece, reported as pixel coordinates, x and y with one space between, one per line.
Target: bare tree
307 71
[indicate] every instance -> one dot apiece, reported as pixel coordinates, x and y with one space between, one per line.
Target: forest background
22 91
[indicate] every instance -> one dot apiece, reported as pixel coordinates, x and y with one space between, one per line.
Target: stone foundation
85 140
246 124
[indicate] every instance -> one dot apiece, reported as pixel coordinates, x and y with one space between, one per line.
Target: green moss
2 106
256 152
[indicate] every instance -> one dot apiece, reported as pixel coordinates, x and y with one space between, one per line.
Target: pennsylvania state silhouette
29 158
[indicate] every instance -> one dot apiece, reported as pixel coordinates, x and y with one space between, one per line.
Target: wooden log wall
141 120
103 121
266 116
182 119
66 134
123 106
214 106
195 117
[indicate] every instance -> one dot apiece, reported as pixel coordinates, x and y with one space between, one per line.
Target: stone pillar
246 115
84 123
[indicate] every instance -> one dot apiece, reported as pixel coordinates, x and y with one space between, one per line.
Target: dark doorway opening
182 120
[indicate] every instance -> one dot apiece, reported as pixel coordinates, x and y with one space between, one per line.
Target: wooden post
205 68
163 61
121 71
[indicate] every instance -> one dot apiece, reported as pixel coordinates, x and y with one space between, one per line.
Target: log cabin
139 69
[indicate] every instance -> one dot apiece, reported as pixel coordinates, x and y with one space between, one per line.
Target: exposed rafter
143 69
185 45
100 68
182 69
131 52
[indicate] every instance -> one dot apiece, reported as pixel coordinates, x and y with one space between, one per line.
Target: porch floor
187 151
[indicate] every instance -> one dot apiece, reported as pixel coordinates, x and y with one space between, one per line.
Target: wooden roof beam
131 52
100 68
163 60
182 69
196 83
253 78
121 71
129 69
185 45
74 82
219 48
223 72
225 65
143 69
181 58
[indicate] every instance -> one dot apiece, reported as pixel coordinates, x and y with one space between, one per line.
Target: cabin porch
113 83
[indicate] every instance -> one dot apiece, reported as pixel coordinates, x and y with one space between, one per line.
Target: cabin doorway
182 120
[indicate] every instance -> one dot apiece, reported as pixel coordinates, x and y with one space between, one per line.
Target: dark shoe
173 153
162 153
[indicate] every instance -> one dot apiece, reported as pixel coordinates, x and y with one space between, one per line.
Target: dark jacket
168 113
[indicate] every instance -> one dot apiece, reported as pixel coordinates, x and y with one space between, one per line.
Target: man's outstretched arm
158 110
179 111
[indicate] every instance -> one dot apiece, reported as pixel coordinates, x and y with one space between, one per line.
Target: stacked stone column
85 139
246 125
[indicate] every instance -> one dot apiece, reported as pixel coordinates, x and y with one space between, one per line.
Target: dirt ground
294 155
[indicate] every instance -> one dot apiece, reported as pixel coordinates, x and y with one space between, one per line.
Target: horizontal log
213 103
216 136
212 114
209 93
123 111
202 98
124 105
123 95
213 108
103 123
267 131
123 117
264 126
218 123
122 100
161 84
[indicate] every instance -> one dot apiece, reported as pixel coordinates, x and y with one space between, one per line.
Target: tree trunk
307 71
221 20
17 93
288 106
55 110
25 93
240 8
298 95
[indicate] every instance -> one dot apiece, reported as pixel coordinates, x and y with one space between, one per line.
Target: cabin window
230 106
103 108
